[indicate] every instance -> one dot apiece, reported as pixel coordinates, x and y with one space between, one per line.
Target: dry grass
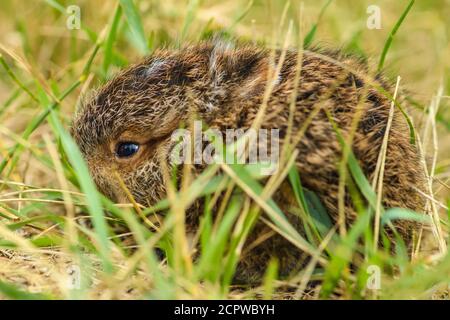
46 233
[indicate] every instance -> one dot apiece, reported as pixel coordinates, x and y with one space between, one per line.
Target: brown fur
225 86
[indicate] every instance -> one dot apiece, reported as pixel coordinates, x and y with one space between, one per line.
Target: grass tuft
61 239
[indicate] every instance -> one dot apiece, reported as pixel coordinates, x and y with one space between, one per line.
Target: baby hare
127 126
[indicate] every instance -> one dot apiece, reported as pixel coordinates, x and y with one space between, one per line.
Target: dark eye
126 149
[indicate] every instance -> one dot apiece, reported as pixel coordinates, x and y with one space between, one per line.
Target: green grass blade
13 153
240 16
16 79
277 216
12 292
190 15
56 5
312 32
89 189
212 254
388 43
342 255
317 215
134 22
269 279
162 285
355 169
110 39
403 214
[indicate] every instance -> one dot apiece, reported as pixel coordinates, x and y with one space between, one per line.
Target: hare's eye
126 149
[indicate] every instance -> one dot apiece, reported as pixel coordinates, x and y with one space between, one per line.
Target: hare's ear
244 69
171 71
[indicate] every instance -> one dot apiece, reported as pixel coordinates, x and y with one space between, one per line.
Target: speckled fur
224 86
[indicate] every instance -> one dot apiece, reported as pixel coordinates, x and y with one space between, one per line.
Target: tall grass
60 238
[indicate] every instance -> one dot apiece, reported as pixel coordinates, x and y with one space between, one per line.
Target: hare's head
125 129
